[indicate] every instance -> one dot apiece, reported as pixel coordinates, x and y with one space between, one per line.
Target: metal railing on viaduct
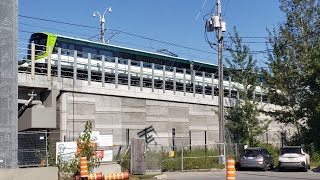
64 63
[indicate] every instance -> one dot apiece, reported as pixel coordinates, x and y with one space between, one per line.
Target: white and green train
45 41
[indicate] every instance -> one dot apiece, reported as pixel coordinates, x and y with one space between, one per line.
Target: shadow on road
316 169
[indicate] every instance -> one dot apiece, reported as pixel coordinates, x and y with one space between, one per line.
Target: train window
106 53
71 47
64 49
86 50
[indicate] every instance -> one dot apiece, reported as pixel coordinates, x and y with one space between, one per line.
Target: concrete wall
113 115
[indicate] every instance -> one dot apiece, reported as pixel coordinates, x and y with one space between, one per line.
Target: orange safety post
231 170
83 168
97 176
122 175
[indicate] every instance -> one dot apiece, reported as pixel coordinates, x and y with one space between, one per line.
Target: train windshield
40 41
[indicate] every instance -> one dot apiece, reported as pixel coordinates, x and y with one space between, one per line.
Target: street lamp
102 21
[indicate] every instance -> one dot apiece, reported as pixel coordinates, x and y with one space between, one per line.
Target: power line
59 22
25 24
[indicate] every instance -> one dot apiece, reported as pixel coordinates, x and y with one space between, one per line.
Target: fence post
152 66
74 66
47 161
203 86
129 74
33 48
89 68
194 82
164 78
212 85
116 72
224 155
49 64
184 82
103 70
174 80
236 147
59 64
141 75
182 159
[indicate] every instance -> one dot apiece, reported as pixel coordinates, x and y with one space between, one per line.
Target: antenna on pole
204 3
102 21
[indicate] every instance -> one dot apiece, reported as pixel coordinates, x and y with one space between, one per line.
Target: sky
170 21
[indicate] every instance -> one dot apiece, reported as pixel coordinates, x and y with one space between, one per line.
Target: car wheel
280 169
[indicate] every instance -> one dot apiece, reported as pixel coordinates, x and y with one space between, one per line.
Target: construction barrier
83 168
97 176
122 175
231 170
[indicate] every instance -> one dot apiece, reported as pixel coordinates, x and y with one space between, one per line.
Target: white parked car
294 157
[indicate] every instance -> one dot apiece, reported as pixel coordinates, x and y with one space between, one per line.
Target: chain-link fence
185 157
190 157
33 149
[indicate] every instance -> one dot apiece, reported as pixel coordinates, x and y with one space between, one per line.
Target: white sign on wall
105 140
66 150
107 156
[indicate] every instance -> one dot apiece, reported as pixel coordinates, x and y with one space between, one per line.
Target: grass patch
196 158
145 176
315 164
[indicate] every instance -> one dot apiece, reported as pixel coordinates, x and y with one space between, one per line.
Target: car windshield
250 152
290 151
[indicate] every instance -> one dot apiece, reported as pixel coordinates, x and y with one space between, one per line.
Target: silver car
256 158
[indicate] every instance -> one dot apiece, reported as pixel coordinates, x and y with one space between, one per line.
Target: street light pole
102 21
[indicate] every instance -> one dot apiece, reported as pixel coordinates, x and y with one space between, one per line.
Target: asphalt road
246 175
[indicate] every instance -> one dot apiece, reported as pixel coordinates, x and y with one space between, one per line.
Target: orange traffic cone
231 170
83 168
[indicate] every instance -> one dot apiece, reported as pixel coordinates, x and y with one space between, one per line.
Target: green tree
293 80
243 123
86 149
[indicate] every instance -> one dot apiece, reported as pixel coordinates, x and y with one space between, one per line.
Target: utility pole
215 23
220 72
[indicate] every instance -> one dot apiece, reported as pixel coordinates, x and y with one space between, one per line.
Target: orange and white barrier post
231 170
97 176
83 168
122 175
